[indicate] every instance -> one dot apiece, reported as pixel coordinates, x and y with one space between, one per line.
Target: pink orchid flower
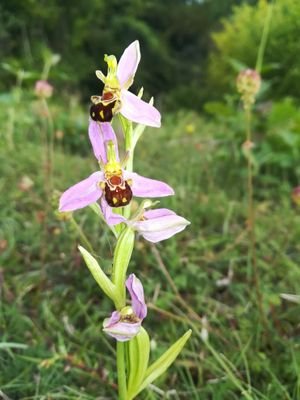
113 185
125 324
116 97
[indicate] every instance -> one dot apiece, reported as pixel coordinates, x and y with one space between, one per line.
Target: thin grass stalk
264 38
251 219
82 236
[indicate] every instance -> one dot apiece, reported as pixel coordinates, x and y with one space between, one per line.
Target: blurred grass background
51 310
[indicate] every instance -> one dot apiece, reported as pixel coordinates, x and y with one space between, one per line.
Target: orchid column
109 191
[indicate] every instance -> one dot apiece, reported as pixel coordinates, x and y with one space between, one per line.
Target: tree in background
174 34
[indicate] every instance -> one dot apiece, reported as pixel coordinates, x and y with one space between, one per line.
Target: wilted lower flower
43 89
125 324
248 84
116 97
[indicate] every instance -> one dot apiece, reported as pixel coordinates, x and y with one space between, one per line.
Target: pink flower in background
43 89
125 324
116 97
296 195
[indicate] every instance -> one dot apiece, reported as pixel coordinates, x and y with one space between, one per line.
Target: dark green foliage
174 37
276 126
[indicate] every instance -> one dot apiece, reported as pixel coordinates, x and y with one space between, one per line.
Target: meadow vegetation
51 310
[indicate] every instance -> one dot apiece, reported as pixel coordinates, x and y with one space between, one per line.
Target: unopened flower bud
248 84
43 89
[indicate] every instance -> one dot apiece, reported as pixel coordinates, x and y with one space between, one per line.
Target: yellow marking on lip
124 200
101 114
115 200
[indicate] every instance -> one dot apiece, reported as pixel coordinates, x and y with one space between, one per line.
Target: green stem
122 256
46 70
82 236
128 135
264 37
121 367
50 144
251 219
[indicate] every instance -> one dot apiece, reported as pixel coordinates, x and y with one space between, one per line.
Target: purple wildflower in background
116 97
125 324
43 89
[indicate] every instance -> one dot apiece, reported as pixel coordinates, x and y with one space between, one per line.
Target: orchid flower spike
116 97
125 324
112 184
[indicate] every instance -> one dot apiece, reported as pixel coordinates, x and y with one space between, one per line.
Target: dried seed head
248 84
43 89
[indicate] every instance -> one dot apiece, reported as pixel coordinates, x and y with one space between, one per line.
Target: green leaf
12 345
100 277
139 350
163 363
121 260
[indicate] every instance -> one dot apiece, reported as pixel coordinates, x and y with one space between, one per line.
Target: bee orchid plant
109 191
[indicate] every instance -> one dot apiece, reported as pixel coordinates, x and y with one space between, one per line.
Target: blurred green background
51 311
190 49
